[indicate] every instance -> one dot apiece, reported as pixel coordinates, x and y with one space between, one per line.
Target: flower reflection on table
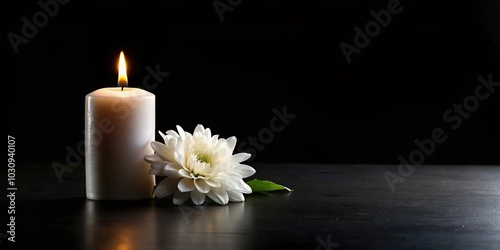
148 225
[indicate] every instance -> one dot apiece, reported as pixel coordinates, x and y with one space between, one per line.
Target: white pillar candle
119 126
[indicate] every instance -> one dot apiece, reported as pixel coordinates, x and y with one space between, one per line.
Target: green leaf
266 186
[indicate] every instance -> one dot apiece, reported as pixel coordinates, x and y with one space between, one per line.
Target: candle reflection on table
165 226
102 231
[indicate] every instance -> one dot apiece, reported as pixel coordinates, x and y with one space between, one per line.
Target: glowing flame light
122 71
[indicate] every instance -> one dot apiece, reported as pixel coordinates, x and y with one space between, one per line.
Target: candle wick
122 87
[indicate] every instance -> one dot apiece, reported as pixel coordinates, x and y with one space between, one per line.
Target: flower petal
172 144
155 161
197 197
152 158
166 187
182 133
235 196
245 170
231 143
218 195
202 131
213 183
158 146
230 184
240 157
180 197
185 185
202 186
244 188
158 165
171 170
178 156
162 151
214 139
221 144
172 133
162 135
184 173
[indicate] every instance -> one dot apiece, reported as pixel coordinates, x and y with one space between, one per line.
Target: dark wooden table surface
332 207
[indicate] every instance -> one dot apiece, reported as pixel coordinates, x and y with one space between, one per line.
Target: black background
230 74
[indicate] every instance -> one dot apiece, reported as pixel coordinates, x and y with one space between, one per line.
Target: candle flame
122 71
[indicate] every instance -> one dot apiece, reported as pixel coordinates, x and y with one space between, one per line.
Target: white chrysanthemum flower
199 165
